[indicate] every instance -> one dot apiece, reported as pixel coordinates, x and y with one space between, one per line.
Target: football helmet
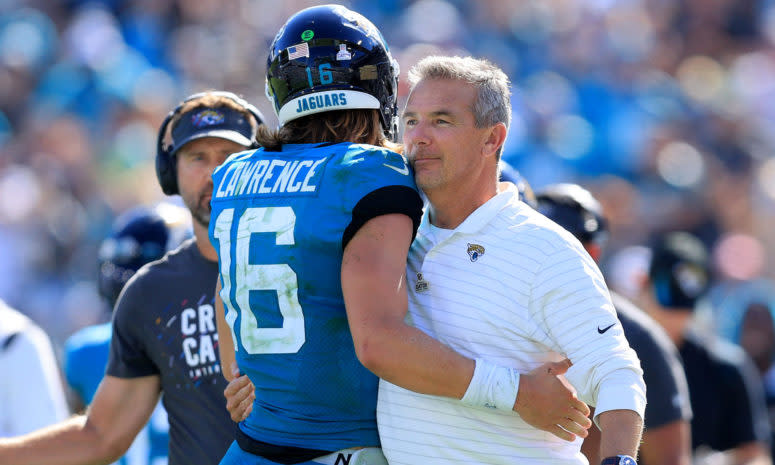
680 270
139 236
575 209
328 58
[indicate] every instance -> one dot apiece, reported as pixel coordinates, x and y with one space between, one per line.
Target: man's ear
496 136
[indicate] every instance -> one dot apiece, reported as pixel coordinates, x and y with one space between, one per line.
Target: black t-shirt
726 394
667 393
164 324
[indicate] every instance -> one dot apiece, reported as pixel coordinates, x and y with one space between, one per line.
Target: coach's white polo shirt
510 286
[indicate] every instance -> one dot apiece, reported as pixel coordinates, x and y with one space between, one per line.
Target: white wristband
492 386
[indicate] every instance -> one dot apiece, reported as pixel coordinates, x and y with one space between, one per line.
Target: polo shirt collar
481 216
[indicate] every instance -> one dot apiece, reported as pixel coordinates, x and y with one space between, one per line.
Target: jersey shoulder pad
377 160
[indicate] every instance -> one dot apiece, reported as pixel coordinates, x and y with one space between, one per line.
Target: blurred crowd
664 109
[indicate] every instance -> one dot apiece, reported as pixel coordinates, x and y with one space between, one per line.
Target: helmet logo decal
307 35
475 251
207 118
343 54
368 72
691 278
298 51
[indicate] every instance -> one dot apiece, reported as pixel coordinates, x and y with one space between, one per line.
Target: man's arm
225 341
120 409
752 453
620 432
373 284
669 444
240 392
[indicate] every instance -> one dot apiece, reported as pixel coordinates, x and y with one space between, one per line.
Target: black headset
166 166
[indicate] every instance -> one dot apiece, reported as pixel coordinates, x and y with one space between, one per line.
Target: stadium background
662 108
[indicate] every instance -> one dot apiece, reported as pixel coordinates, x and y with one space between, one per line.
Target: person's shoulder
19 334
156 274
635 316
719 352
727 363
14 324
174 258
88 337
641 329
237 157
12 320
355 155
547 236
370 165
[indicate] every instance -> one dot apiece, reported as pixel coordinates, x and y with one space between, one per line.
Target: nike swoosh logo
601 331
404 171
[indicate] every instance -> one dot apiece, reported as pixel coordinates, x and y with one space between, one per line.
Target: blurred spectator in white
31 393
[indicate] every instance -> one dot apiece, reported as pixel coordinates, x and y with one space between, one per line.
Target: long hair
357 126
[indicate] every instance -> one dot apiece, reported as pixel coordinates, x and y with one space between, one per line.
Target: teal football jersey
279 222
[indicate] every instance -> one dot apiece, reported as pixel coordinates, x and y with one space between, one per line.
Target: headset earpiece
165 164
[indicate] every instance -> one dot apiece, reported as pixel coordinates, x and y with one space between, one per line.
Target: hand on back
547 401
240 394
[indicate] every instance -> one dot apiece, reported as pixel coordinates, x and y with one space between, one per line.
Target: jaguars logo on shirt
475 251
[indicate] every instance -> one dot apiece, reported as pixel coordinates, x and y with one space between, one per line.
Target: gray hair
492 103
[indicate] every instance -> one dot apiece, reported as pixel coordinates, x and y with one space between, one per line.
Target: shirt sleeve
667 392
375 181
36 399
571 300
745 410
128 356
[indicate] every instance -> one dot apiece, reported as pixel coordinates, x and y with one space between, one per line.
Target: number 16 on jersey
248 277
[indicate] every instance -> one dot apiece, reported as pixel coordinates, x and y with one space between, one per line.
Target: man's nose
417 135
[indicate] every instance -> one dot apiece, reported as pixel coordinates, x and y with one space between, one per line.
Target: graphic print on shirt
190 338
